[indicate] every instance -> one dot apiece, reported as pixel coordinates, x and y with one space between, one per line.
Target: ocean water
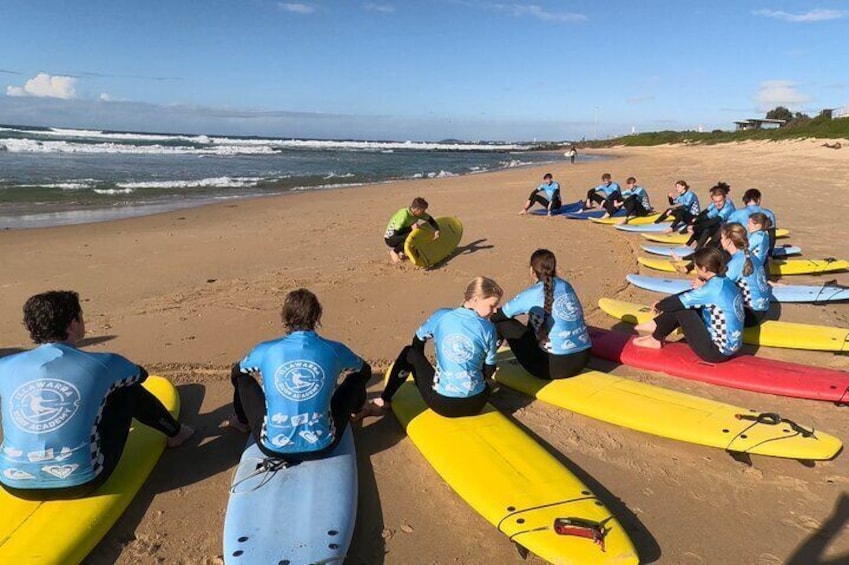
54 176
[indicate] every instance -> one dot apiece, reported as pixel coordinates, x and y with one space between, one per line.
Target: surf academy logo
566 308
738 307
299 380
44 405
458 348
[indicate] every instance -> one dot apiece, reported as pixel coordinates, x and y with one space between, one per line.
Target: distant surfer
606 191
547 195
711 315
56 396
571 154
683 207
298 413
403 222
465 342
556 343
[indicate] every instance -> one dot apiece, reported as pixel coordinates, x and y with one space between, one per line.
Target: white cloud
817 15
44 85
382 8
774 93
538 12
106 97
296 8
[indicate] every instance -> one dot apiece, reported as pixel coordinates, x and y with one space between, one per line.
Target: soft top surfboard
594 213
564 209
513 482
638 221
646 228
780 293
681 238
63 532
670 414
683 251
424 251
777 267
303 513
745 372
769 333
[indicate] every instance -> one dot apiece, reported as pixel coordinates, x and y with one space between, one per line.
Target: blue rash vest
52 398
608 190
550 189
299 373
741 215
759 246
724 213
464 343
721 305
567 329
641 194
754 288
689 201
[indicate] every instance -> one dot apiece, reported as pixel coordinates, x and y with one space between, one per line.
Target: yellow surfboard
769 333
424 251
63 532
777 267
512 482
667 413
681 238
638 221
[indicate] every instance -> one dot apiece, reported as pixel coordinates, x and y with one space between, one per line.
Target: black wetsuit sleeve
432 223
499 316
417 343
488 371
670 304
671 200
364 374
143 374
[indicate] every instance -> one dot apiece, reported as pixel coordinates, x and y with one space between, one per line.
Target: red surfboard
745 372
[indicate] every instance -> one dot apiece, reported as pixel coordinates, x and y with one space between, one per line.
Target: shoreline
189 292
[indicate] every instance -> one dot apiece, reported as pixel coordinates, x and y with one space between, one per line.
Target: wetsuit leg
424 374
697 334
525 346
539 199
397 239
594 196
753 318
249 404
565 366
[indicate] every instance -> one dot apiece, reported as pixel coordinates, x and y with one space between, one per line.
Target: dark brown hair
48 315
683 183
711 259
752 195
301 311
544 265
720 188
761 219
606 176
419 203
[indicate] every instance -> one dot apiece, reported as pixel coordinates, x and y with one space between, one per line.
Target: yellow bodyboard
777 267
512 482
63 532
769 333
666 413
424 251
638 221
681 238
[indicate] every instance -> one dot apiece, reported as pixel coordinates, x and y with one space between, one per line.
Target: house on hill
759 123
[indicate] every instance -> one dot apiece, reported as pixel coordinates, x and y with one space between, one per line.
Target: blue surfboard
683 251
595 213
780 293
644 228
303 513
564 209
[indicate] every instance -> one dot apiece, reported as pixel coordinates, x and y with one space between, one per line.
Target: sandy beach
188 293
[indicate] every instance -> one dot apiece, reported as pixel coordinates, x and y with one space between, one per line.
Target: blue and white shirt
550 190
759 246
567 329
689 201
52 400
464 342
299 373
606 189
741 215
755 289
723 213
721 305
641 194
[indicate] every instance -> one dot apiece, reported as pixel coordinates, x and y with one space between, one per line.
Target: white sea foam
70 185
217 182
335 176
35 146
114 190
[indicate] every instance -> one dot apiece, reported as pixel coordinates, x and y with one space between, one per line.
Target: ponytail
544 265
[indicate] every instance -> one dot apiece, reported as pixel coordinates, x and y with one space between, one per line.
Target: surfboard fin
523 551
740 457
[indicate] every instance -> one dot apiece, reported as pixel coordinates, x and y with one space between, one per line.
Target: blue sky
420 70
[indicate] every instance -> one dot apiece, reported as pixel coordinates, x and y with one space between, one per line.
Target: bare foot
680 267
375 408
649 326
667 230
395 257
185 433
233 422
648 342
522 212
605 216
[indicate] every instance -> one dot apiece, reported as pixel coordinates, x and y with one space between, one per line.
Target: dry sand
187 293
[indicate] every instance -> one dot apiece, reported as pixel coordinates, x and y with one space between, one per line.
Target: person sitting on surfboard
635 201
298 413
704 228
752 201
556 343
607 190
746 273
551 201
466 343
761 237
67 412
405 221
683 207
711 315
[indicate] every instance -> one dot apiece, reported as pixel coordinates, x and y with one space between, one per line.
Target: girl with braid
746 273
761 237
556 343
